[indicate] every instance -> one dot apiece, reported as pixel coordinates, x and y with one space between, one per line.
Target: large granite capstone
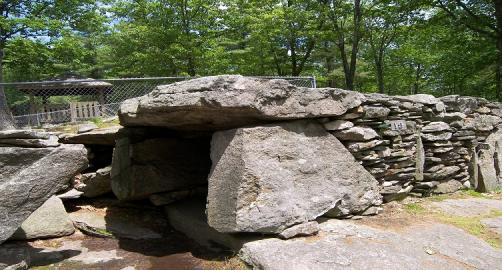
268 178
30 176
229 101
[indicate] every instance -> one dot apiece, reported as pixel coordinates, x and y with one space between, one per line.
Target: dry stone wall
421 144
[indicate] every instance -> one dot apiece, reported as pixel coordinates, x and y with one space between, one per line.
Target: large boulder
229 101
267 178
30 176
49 220
140 169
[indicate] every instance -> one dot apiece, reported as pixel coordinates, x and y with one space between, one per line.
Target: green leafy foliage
398 47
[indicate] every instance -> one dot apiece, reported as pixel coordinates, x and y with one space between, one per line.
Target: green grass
473 193
98 121
231 263
414 208
474 226
439 198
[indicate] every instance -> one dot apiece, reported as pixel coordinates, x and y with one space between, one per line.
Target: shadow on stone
17 252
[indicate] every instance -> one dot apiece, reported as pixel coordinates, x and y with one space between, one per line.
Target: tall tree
18 18
346 23
384 22
483 17
33 19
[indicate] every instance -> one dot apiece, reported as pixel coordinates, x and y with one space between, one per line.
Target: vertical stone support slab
420 159
487 180
267 178
489 163
473 168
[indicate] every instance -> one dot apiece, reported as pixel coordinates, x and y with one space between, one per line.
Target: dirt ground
173 250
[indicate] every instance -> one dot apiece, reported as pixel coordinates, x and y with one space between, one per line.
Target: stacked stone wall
420 144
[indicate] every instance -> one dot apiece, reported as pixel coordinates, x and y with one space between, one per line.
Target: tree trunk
355 42
349 68
349 82
329 64
379 65
294 63
6 119
380 80
498 83
416 85
191 65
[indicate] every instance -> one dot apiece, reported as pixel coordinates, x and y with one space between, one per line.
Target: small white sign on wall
397 125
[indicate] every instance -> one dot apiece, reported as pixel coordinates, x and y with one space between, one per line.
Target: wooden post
73 112
101 100
33 109
101 97
45 108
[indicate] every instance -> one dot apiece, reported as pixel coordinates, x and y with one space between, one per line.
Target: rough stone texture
449 186
158 165
29 176
83 128
94 184
487 179
49 220
23 134
160 199
436 126
371 112
484 122
441 136
490 164
338 125
281 175
356 134
51 141
419 160
493 224
419 98
468 207
70 195
346 245
229 101
189 217
304 229
460 104
102 136
131 226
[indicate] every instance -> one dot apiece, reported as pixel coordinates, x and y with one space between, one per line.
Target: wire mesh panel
34 104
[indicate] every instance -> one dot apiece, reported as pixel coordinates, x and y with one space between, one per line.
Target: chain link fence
37 104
